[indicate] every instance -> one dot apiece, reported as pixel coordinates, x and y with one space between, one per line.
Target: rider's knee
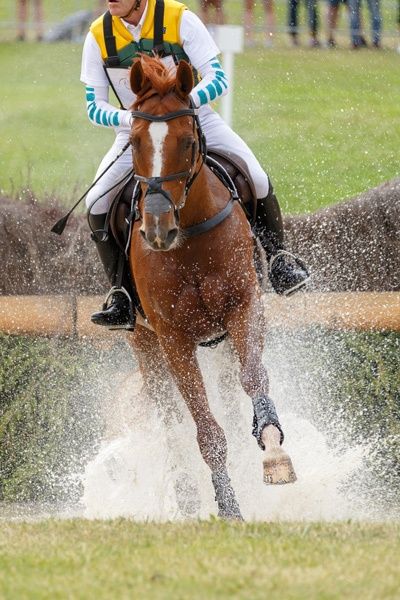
95 203
261 183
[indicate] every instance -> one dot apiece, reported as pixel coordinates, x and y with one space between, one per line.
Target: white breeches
219 136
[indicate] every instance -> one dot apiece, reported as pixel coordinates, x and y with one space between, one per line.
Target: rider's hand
126 119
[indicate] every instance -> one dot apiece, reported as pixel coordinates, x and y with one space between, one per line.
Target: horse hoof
278 468
228 507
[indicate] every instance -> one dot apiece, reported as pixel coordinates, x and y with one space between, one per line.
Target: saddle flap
239 173
120 210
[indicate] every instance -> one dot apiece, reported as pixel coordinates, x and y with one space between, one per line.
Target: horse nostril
149 235
172 233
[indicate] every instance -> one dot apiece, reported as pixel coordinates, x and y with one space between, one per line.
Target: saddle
219 162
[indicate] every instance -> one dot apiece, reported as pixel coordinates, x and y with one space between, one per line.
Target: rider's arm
100 112
202 51
213 83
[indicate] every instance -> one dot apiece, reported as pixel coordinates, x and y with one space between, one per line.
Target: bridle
155 183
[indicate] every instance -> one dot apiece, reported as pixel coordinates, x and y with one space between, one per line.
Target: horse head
165 138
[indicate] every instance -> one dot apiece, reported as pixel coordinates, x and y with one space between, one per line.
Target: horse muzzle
160 223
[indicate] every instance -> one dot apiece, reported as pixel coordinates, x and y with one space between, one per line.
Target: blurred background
320 118
234 12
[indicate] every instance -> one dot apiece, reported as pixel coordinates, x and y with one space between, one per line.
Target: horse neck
206 197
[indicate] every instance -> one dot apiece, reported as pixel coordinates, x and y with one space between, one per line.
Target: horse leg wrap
228 507
264 414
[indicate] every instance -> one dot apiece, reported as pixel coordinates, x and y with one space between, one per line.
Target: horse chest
197 284
187 294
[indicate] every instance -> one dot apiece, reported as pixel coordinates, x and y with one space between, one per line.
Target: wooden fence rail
70 315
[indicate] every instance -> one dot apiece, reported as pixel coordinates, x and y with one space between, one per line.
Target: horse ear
184 80
138 80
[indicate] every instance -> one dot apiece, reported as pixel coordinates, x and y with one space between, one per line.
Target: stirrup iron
130 326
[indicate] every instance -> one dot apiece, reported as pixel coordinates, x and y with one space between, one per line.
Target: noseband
155 183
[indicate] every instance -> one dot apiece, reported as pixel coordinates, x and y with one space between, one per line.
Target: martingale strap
211 222
155 186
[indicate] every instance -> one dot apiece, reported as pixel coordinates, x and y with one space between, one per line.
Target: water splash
148 469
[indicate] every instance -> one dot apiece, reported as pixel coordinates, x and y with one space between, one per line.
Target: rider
114 39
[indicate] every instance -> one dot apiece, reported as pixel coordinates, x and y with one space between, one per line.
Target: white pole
229 39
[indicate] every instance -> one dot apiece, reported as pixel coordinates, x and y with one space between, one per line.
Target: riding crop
60 225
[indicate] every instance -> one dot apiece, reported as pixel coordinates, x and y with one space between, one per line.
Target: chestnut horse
192 261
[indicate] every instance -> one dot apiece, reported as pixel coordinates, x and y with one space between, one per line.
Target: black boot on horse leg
287 273
228 507
213 448
117 310
278 468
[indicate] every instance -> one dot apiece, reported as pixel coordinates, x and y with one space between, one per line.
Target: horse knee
254 381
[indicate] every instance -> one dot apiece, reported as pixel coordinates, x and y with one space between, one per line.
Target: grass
321 123
121 559
46 142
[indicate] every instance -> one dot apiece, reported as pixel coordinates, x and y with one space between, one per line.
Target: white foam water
148 469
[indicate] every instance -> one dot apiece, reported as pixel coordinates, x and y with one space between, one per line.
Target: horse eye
187 143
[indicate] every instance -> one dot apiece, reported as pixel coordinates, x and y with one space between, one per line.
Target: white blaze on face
158 132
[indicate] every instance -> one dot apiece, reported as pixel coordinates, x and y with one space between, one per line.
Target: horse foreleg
246 327
180 354
158 385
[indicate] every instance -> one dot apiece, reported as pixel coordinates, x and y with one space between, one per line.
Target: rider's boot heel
287 273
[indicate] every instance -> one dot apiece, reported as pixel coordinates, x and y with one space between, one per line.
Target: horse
192 260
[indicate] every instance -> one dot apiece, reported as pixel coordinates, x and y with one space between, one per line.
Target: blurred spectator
332 19
216 6
312 14
22 14
357 40
269 22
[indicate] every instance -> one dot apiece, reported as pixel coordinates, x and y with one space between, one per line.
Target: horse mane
162 79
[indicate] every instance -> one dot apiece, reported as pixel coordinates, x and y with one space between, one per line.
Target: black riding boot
287 273
117 309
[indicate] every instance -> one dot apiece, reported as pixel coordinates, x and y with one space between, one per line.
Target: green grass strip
122 559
